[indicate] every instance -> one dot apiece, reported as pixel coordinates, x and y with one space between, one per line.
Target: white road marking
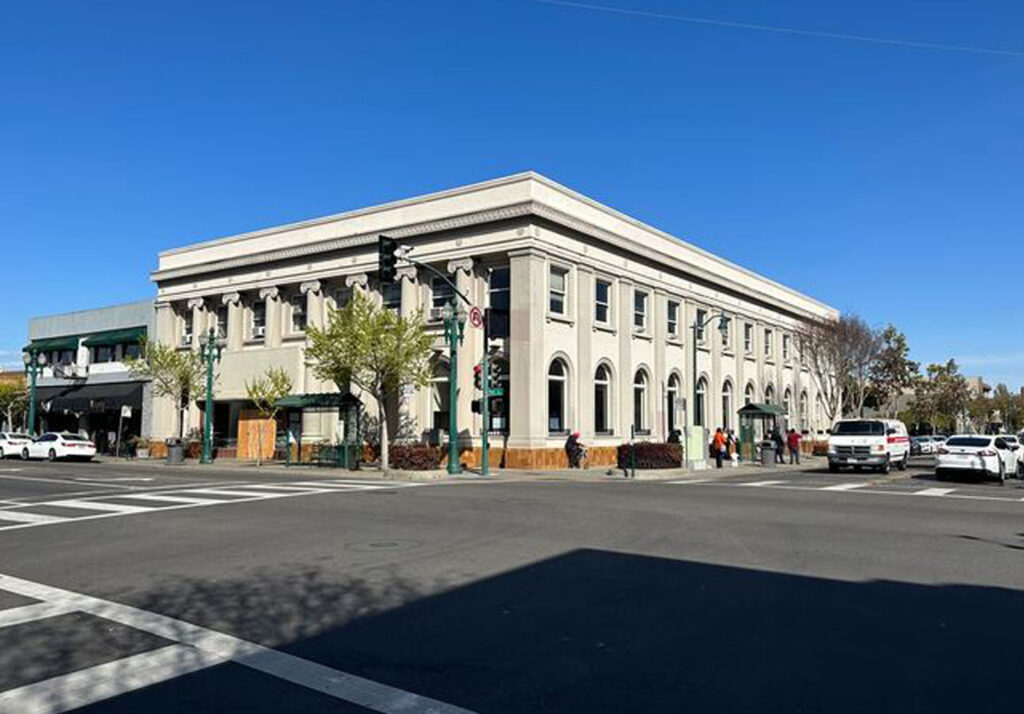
10 471
171 499
30 613
66 482
116 480
844 486
273 487
98 506
683 482
762 483
934 491
94 685
33 518
234 492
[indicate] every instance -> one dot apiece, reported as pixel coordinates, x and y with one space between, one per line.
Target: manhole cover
378 545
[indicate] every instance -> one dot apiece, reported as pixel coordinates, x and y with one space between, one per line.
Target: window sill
727 352
674 340
294 337
603 327
555 317
703 347
642 335
641 432
254 341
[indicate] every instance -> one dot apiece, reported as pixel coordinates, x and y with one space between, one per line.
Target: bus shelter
347 451
757 420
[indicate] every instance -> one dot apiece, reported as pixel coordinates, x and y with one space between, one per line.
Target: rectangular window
391 296
258 326
702 316
132 351
222 322
557 287
440 293
639 310
673 318
602 302
499 291
186 328
341 296
103 353
297 303
726 332
785 347
748 338
768 337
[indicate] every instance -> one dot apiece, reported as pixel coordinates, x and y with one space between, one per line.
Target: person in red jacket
793 441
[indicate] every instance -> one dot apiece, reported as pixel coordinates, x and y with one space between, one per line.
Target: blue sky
883 178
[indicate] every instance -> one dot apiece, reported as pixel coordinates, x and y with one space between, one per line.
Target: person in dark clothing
780 446
575 450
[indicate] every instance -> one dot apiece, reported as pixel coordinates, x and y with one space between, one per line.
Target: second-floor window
640 310
702 316
222 322
297 303
186 328
258 324
785 347
748 338
499 295
441 293
673 318
557 288
726 332
602 302
391 296
102 353
768 337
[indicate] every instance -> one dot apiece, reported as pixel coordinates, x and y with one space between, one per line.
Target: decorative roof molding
407 272
194 303
272 293
358 280
310 286
230 298
463 264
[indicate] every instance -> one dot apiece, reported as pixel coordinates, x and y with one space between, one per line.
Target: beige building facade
601 312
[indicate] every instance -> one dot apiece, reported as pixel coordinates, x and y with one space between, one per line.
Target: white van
876 443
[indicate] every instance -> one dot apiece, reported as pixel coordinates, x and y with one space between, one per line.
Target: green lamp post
34 363
209 349
454 326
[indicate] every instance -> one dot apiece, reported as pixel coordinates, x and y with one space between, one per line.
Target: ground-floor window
727 405
557 377
700 403
640 420
602 392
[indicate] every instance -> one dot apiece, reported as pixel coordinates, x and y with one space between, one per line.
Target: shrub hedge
414 457
651 455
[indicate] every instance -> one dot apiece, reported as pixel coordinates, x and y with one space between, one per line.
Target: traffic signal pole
485 407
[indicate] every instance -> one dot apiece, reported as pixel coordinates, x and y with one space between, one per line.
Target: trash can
175 452
768 453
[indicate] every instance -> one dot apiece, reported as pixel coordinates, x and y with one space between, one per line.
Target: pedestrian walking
780 446
794 446
719 447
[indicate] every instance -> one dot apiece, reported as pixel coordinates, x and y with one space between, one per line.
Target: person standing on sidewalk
719 447
780 446
794 446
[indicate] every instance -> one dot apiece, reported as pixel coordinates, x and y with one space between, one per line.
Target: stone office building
601 308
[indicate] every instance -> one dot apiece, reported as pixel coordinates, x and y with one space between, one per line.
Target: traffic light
386 258
478 377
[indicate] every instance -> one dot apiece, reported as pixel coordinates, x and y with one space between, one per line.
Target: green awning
326 399
69 342
762 410
129 336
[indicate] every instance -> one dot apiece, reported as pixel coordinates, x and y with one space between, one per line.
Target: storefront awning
69 342
326 399
91 397
762 410
129 336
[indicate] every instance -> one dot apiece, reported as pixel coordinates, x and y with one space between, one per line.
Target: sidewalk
604 474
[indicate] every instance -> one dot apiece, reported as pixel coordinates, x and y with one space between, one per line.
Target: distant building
85 382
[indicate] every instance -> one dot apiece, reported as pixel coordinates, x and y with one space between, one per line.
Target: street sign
476 318
126 412
498 392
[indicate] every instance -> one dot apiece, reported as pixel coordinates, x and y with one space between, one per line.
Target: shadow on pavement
597 631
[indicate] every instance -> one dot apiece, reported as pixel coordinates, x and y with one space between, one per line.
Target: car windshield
859 428
969 441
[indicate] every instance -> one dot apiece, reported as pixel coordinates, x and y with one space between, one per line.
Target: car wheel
904 462
2 454
24 454
1002 474
886 467
52 456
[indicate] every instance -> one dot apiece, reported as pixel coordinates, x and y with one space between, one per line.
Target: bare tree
839 354
864 346
179 375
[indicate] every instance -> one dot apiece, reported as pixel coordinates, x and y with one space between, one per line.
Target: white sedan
11 443
55 446
976 454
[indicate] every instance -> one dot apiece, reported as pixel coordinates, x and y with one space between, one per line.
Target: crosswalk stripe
99 506
762 483
934 491
844 486
683 482
232 492
339 486
29 613
22 517
273 488
94 684
172 499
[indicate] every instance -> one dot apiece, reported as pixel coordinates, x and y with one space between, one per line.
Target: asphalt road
785 591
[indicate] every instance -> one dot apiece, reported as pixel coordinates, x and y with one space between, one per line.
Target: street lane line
66 482
214 646
34 518
684 482
171 499
933 491
762 483
29 613
844 486
94 684
99 506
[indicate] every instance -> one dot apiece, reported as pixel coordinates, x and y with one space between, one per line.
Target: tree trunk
383 435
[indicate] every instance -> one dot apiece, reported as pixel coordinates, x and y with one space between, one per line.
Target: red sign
476 318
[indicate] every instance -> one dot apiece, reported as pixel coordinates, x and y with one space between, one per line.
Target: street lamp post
34 363
209 349
454 325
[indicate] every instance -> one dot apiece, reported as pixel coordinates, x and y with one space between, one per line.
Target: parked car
915 445
925 445
876 443
1016 447
11 443
53 446
980 454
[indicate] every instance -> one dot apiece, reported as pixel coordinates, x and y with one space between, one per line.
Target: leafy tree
175 374
264 392
943 397
892 371
376 350
13 398
1009 406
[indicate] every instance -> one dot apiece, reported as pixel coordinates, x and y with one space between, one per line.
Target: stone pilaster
527 378
272 299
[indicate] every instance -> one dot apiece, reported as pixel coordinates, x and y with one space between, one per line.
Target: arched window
727 405
803 410
671 397
557 377
641 422
769 394
748 395
787 399
700 403
602 400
